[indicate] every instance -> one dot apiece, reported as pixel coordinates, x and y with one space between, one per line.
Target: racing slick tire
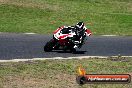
49 46
73 50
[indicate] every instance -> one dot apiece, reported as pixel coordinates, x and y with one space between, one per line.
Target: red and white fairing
58 35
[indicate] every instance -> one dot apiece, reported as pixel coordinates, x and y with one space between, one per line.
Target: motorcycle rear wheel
73 50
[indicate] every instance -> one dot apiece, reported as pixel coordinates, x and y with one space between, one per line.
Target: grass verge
44 16
60 73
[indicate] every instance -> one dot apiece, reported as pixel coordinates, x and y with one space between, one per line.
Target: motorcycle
66 40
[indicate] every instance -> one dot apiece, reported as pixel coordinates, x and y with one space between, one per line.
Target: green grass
44 16
61 73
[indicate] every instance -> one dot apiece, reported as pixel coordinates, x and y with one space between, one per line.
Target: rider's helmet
79 26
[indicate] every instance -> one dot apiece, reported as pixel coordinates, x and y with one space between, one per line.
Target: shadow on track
77 52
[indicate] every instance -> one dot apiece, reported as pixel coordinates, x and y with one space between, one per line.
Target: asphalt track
24 46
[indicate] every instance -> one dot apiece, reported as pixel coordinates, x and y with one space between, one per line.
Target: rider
81 30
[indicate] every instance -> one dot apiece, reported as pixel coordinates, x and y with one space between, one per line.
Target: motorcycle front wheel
49 46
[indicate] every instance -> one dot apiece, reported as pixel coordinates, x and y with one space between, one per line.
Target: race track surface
24 46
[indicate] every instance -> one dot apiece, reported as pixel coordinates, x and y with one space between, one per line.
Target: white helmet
79 26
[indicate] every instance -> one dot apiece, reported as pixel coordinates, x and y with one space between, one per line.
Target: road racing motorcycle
66 40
